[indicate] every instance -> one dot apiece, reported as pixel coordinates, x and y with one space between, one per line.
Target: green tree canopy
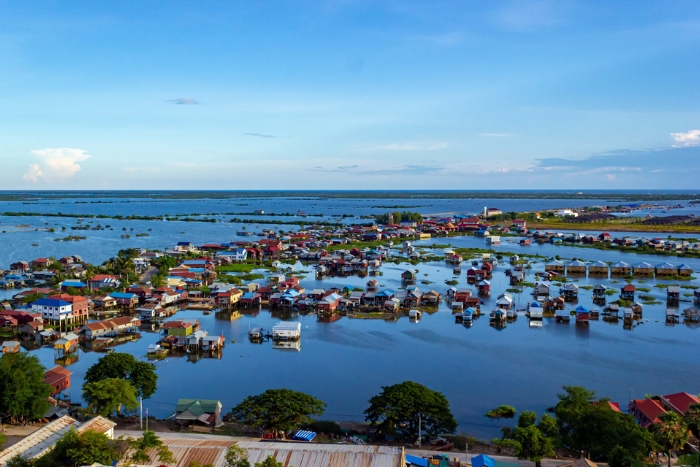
398 409
76 449
531 442
23 392
109 395
595 428
141 375
149 441
502 411
278 410
692 420
672 434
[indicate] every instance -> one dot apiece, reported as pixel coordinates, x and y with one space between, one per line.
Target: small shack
666 269
643 269
672 315
576 267
673 293
582 314
600 292
621 269
627 292
484 287
684 270
569 291
598 268
555 266
408 275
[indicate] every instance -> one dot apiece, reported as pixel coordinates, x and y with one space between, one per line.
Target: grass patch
644 289
451 282
610 292
691 287
586 287
238 267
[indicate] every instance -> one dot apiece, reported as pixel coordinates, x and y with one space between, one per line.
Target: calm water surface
346 362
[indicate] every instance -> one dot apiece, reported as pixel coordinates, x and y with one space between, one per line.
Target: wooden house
10 347
684 270
542 289
569 291
104 302
251 299
672 315
484 287
555 266
151 312
612 311
180 328
110 327
127 300
599 292
666 269
562 316
198 414
461 295
65 345
392 305
582 314
431 298
372 284
691 315
329 303
627 292
554 304
598 268
505 301
673 293
643 269
621 269
408 275
474 303
576 267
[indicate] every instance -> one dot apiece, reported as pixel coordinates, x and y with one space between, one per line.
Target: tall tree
109 395
530 442
402 407
141 375
236 456
692 420
672 434
278 410
23 392
502 411
76 449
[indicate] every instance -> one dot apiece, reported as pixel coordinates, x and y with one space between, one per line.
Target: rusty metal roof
187 450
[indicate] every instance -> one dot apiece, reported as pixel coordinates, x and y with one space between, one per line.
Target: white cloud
55 164
690 138
408 146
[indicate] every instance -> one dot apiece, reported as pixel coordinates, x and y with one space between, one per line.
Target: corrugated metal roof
290 454
39 441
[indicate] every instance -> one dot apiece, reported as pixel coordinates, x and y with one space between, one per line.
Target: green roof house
198 413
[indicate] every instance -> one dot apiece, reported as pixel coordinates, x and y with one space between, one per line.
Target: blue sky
350 94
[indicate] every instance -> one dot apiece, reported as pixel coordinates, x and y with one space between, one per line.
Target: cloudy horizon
531 94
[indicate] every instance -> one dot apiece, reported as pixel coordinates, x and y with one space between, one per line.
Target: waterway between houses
346 362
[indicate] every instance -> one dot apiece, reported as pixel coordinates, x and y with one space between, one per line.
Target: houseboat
535 310
620 269
582 314
414 315
576 267
672 315
562 316
286 331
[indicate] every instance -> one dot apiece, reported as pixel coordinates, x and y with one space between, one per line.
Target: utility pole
420 420
140 413
466 461
146 419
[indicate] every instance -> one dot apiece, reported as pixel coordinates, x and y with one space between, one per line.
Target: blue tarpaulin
419 461
303 435
482 460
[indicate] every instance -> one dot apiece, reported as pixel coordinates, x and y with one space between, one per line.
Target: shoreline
613 227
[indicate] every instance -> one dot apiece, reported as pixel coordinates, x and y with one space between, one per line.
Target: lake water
346 362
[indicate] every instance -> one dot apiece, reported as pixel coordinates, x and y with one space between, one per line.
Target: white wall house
53 309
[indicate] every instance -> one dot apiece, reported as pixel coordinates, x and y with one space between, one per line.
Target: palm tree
672 434
692 420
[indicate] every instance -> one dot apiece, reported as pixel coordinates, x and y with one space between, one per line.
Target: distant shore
614 227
